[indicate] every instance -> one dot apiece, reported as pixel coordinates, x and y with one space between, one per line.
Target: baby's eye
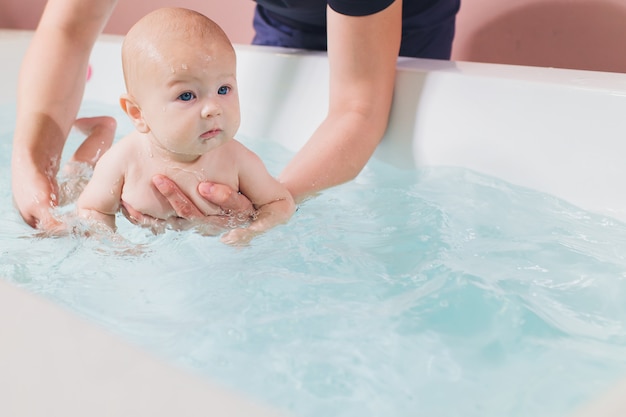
223 90
187 96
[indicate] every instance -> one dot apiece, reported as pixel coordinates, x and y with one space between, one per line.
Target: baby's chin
204 146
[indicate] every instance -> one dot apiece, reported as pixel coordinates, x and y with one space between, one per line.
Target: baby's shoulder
238 148
122 153
127 145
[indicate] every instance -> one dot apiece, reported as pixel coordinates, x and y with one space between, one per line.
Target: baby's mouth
210 134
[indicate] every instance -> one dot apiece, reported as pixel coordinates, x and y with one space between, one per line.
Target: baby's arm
273 202
100 200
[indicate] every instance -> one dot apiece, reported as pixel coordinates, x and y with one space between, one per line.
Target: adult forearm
362 52
50 90
336 153
52 75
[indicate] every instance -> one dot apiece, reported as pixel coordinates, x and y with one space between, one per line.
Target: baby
180 74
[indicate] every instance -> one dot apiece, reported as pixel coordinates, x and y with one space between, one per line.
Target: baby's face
188 96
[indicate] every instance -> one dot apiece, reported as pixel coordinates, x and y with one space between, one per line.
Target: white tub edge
54 364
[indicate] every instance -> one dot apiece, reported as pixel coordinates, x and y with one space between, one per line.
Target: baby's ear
132 109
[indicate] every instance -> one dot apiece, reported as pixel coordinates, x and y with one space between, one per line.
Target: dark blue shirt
427 25
313 12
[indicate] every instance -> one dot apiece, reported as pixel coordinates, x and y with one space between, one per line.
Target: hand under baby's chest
140 192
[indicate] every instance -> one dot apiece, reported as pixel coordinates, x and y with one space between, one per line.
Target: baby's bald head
150 40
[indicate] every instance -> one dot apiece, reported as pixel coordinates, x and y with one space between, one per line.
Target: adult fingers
178 200
229 200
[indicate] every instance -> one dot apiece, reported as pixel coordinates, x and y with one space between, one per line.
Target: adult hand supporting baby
236 208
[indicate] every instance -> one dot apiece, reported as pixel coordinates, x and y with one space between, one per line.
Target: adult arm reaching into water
50 88
362 53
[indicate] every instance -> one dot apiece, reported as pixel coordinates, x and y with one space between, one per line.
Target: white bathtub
557 131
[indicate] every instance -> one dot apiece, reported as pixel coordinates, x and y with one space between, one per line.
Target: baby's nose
210 108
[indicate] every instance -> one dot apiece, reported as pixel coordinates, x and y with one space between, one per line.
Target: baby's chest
144 197
140 192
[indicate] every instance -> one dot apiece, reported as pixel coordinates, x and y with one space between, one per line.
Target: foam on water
439 292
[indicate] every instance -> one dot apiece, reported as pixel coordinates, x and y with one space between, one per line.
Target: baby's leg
100 133
76 173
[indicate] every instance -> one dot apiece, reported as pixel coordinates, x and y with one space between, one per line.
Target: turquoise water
436 292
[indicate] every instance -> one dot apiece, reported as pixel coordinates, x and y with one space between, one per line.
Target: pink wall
235 16
583 34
